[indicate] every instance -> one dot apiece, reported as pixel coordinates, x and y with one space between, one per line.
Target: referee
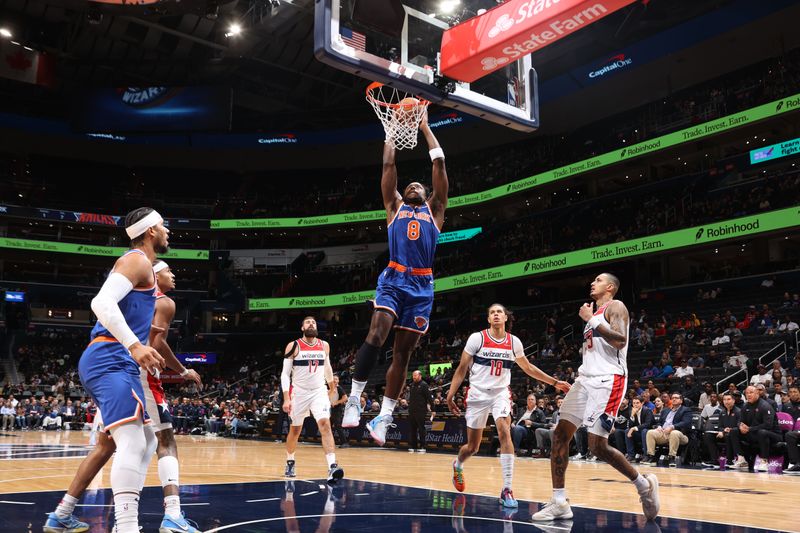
419 404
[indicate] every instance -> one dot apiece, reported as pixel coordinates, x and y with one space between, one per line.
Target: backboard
508 96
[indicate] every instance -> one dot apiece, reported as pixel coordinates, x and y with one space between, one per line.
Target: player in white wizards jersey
307 375
489 356
595 398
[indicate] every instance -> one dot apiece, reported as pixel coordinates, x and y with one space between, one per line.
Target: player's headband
159 266
137 228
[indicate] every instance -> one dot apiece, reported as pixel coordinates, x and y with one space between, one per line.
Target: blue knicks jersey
138 308
413 236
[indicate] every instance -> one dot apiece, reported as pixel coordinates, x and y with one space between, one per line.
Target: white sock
172 506
507 464
66 506
290 456
641 483
387 406
560 496
357 388
331 458
458 464
126 512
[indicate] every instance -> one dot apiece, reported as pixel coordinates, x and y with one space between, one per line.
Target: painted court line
262 500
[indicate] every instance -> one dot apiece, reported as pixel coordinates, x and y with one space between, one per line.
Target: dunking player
305 388
595 398
173 520
404 295
489 356
109 367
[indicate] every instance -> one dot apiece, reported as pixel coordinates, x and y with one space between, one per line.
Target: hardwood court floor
44 461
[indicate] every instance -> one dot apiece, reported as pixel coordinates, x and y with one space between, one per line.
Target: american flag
353 39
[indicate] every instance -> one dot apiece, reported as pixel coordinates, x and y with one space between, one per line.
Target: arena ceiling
277 81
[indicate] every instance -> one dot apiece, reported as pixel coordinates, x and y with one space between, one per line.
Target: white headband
137 228
159 266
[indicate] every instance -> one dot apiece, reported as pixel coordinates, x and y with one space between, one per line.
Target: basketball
408 104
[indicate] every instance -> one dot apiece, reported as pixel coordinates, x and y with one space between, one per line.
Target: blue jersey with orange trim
138 308
413 236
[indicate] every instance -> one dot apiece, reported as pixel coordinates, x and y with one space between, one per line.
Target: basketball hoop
399 113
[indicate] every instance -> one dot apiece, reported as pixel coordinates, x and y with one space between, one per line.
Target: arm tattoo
617 334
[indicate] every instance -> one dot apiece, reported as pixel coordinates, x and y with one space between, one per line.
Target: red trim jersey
308 366
599 357
492 360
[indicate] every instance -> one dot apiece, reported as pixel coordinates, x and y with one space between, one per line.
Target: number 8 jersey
492 360
308 366
413 236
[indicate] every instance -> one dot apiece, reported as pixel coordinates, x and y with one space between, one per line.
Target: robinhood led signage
693 133
597 255
91 249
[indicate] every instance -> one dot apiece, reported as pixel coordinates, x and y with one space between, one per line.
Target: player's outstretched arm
617 316
441 185
536 373
391 198
327 366
458 379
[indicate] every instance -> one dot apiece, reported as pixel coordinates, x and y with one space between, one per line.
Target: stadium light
234 30
448 6
5 32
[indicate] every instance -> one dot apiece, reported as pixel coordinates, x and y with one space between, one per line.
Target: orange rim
377 85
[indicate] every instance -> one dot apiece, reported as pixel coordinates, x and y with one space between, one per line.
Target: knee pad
131 447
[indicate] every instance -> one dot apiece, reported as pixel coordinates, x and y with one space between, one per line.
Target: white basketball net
400 121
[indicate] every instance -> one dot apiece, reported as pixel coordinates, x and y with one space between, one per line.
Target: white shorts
594 402
481 403
155 401
315 401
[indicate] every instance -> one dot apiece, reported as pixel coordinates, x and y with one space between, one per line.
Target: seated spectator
691 391
695 361
711 407
721 339
529 419
729 419
757 430
617 437
683 370
786 302
544 435
650 371
672 428
796 370
7 415
732 332
762 392
787 325
646 402
736 362
713 359
665 371
705 397
762 377
637 387
52 421
640 420
791 437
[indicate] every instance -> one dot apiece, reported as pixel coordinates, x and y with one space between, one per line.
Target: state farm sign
513 29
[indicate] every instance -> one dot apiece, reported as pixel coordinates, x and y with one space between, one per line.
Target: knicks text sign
514 29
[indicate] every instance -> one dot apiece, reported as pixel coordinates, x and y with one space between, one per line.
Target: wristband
436 153
185 372
594 321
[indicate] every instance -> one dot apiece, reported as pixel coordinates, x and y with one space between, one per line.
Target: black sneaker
289 469
650 460
672 463
335 474
793 468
